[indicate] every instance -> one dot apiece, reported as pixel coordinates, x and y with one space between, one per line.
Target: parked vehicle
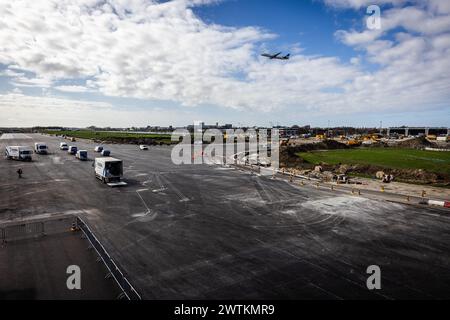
40 148
72 150
18 153
82 155
98 149
143 147
106 153
109 170
63 146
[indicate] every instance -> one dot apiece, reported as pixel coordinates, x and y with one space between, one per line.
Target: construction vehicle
321 137
353 142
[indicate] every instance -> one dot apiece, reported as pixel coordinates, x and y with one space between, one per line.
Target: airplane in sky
276 56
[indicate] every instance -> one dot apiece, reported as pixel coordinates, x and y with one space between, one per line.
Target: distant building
288 132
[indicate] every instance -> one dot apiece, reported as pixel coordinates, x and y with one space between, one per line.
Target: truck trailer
110 171
18 153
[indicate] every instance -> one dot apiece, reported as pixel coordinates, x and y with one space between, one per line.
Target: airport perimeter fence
127 289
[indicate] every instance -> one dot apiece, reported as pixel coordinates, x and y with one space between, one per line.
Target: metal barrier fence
127 289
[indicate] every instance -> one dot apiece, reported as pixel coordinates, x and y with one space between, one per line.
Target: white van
72 150
82 155
40 148
18 153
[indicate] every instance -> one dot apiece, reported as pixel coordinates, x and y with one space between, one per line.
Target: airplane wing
276 55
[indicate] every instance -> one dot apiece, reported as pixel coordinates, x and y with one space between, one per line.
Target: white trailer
110 171
18 153
40 148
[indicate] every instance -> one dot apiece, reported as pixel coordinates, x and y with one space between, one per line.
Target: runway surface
210 232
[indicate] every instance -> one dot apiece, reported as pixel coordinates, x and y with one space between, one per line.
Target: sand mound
416 143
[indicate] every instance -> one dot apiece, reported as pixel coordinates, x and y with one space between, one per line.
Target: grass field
384 157
89 134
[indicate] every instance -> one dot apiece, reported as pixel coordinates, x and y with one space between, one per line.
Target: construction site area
212 231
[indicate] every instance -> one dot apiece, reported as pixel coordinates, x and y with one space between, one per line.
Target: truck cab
40 148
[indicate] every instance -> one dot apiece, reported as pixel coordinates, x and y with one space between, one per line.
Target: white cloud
150 50
17 99
22 81
72 88
24 110
357 4
412 49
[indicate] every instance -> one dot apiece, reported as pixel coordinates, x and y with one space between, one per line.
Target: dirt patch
417 143
407 175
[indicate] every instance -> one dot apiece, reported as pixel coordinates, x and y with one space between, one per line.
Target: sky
124 63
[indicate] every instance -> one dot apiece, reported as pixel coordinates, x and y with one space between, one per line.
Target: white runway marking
11 136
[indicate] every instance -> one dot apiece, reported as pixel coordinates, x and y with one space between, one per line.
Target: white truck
40 148
18 153
110 171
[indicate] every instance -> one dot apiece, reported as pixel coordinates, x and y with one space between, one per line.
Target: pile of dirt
289 159
416 143
406 175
